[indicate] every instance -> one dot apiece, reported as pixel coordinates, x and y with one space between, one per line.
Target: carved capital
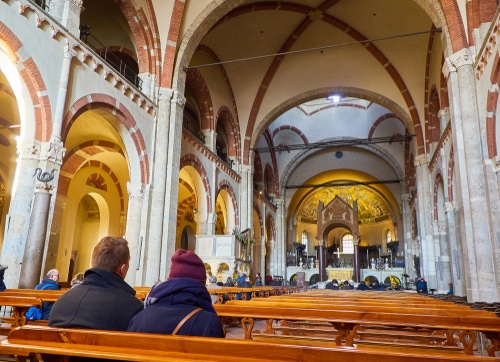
457 60
421 160
29 150
53 151
165 93
135 191
179 99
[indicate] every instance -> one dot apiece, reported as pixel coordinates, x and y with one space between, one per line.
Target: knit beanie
186 264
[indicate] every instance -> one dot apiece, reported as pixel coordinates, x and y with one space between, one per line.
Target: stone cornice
200 147
86 55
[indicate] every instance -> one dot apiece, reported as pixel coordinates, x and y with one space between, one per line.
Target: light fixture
334 98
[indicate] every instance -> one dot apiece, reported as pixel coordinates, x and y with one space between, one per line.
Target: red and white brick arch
200 180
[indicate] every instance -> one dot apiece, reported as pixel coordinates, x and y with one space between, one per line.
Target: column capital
179 99
457 60
135 190
165 93
421 160
53 151
30 151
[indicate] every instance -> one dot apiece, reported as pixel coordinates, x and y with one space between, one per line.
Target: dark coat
169 302
50 285
103 301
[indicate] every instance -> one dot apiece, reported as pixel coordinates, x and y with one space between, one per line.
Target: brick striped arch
259 216
187 203
288 44
31 76
293 129
66 176
143 36
437 181
75 158
379 120
197 84
171 44
491 108
112 106
225 185
193 161
270 227
225 116
451 167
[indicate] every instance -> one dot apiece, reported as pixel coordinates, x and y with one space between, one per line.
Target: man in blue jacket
181 304
104 300
50 282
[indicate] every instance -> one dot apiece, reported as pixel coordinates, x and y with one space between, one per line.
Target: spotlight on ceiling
334 98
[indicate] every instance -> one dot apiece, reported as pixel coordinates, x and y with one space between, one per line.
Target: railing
107 55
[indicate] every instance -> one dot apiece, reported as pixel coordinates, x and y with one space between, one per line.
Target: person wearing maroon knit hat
181 304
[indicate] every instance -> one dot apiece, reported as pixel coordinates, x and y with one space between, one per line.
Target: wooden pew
19 306
31 342
347 322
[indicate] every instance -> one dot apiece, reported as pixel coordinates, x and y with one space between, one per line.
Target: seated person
181 304
333 285
50 282
362 286
103 300
213 285
346 286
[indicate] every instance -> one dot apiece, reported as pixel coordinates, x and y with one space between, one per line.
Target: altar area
341 274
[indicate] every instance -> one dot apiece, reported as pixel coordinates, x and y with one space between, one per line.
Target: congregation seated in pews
176 320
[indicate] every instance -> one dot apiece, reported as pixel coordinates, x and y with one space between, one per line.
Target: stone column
457 260
148 85
157 187
133 230
280 245
469 181
172 183
67 12
407 236
425 221
35 242
18 216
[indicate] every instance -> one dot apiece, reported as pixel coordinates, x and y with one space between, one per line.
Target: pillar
133 230
172 183
470 183
157 187
35 242
425 221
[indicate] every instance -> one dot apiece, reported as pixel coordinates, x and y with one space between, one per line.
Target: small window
388 237
348 244
305 240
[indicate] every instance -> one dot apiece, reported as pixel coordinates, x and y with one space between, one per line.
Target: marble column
35 242
157 188
454 237
172 183
133 230
469 182
425 221
280 258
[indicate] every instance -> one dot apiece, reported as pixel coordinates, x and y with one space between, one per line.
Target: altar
340 274
382 275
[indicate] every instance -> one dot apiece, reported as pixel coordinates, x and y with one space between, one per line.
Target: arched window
348 244
305 240
388 237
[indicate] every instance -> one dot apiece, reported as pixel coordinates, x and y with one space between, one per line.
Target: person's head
257 275
213 279
111 254
241 272
186 264
77 278
229 280
53 274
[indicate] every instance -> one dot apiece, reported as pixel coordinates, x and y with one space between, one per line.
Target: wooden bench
31 342
19 305
347 322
